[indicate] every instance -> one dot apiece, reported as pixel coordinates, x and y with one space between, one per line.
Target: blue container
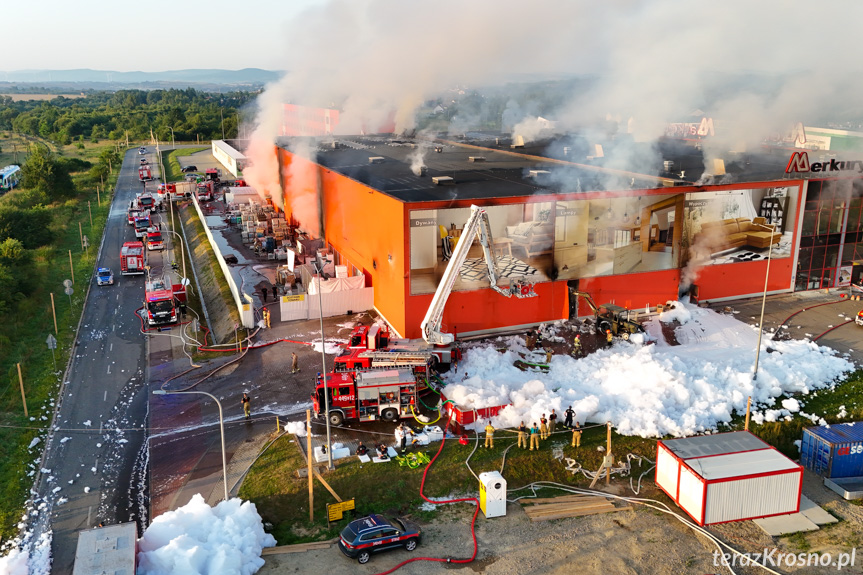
834 451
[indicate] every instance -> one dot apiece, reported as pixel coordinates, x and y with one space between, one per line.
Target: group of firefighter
547 426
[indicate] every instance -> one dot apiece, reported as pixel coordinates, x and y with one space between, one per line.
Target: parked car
142 150
374 533
187 169
104 277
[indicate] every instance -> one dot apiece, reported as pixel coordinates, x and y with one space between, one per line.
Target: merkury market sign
799 162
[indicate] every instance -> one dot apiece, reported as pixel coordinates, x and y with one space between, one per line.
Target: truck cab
154 239
142 224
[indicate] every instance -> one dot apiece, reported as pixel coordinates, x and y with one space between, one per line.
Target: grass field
23 332
173 169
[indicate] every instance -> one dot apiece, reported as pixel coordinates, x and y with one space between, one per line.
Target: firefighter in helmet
489 435
608 337
576 346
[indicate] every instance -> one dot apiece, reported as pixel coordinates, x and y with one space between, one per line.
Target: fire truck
144 174
132 260
205 191
145 202
212 175
142 224
174 190
154 239
372 348
367 395
133 213
163 300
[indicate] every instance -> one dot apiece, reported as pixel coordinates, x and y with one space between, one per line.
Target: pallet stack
543 509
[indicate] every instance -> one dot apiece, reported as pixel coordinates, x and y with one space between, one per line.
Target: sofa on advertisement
735 233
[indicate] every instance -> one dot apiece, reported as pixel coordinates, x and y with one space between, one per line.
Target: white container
492 494
728 477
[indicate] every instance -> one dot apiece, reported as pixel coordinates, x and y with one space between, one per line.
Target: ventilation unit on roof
517 142
566 150
476 158
438 149
538 173
668 165
442 180
376 159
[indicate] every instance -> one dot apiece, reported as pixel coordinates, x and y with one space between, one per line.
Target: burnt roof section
486 166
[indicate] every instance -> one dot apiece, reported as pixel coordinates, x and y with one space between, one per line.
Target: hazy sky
148 36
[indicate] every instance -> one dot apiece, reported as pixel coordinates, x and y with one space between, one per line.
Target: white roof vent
376 159
442 180
476 158
517 142
537 173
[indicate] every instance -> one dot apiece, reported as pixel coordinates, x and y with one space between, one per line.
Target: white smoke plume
654 61
417 159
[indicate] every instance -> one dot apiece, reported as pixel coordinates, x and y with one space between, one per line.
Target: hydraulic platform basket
728 477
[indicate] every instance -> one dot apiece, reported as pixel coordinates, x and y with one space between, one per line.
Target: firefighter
569 413
548 354
247 406
609 339
295 366
362 449
266 314
576 435
489 436
576 346
552 422
522 436
534 437
543 427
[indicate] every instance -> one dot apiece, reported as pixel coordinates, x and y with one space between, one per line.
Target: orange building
387 206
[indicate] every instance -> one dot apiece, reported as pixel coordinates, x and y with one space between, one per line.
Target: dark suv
374 533
189 169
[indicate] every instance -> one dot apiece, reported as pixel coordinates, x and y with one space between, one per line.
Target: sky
154 36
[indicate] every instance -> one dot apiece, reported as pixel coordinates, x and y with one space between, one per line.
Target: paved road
94 453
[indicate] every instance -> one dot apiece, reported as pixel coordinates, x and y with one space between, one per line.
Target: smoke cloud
655 61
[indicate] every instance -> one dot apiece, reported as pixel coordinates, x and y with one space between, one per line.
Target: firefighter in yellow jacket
489 435
576 435
522 436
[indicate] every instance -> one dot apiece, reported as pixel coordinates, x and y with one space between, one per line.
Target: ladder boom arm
478 226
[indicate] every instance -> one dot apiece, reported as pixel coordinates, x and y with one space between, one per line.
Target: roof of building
109 549
714 444
839 433
741 464
484 166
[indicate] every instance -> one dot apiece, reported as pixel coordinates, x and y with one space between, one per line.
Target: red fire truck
142 224
132 259
145 202
205 191
144 174
163 300
367 395
370 347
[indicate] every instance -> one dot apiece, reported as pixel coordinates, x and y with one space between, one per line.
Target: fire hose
474 500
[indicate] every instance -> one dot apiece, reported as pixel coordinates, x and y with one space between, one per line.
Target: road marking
104 398
89 510
111 349
109 370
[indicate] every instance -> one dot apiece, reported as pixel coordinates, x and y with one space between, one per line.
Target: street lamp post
221 427
320 270
182 251
761 321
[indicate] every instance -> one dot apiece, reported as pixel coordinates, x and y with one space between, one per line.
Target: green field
26 325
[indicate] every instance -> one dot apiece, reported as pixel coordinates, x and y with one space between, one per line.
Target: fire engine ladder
477 226
397 358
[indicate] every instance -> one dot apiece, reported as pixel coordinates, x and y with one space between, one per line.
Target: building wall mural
604 236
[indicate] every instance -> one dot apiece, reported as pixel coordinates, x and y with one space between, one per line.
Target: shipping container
728 477
833 450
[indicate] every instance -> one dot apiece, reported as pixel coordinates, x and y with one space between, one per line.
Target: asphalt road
95 456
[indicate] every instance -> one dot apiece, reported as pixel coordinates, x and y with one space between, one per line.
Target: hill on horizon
246 76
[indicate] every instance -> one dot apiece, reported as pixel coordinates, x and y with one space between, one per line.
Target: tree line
191 114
